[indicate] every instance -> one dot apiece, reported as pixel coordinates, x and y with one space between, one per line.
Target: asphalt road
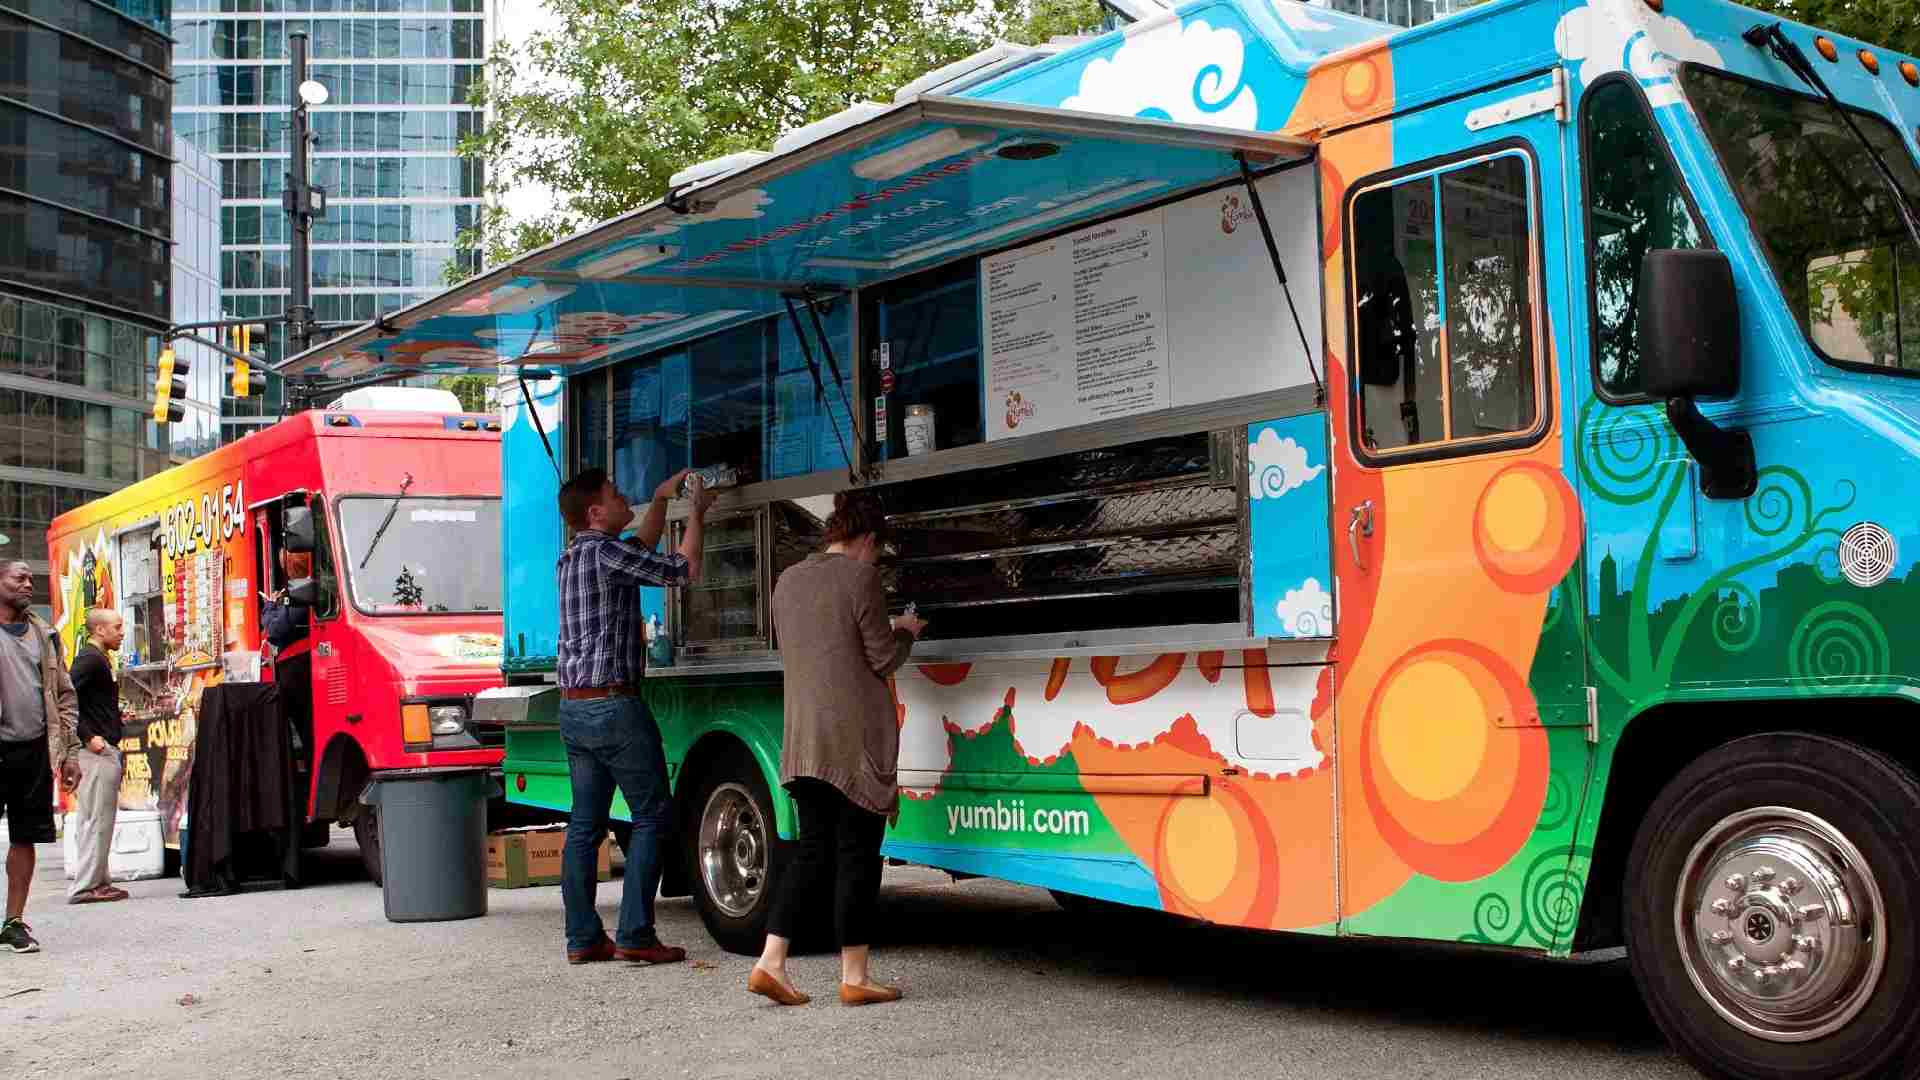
1000 982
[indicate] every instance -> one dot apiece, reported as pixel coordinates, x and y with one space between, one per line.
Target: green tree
627 92
1890 24
470 389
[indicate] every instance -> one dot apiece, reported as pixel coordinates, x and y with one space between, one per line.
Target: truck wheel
366 833
730 846
1770 904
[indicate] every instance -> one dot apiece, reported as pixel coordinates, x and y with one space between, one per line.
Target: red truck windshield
435 555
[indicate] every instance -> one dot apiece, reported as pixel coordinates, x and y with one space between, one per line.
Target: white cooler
139 849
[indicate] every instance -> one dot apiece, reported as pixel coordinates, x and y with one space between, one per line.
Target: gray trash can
433 842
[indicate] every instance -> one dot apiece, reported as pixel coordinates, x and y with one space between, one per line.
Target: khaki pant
96 801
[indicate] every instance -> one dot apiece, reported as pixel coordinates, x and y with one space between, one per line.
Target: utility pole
302 201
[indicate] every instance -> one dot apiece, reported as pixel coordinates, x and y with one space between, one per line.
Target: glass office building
196 295
86 151
397 74
1399 12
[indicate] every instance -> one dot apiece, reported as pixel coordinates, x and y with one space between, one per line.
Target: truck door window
323 568
1444 317
1830 227
1635 204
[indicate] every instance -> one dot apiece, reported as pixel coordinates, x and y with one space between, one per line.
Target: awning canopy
882 193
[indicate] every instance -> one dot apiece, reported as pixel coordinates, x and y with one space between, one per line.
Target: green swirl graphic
1624 454
1736 618
1559 804
1838 640
1551 893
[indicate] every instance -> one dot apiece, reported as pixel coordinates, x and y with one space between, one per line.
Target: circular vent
1867 553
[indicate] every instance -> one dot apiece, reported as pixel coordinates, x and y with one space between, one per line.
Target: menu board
1075 328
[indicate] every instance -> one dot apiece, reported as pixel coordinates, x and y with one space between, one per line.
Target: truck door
1461 697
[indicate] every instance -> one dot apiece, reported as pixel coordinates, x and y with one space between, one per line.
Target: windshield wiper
394 507
1776 41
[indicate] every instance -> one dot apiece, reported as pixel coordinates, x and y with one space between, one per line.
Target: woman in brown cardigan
842 743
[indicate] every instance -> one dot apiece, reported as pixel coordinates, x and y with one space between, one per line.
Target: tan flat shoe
773 989
867 995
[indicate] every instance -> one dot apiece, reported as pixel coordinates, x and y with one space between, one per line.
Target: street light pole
298 201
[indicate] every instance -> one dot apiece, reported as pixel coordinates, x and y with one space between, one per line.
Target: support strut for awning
540 427
811 299
1280 271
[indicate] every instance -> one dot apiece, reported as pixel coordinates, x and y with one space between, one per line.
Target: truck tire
1770 900
732 851
366 833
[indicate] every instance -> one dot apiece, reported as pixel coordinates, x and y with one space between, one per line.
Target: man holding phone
610 736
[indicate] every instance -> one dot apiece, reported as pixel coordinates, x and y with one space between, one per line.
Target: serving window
742 398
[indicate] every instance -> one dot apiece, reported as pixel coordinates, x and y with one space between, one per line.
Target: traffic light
169 385
246 381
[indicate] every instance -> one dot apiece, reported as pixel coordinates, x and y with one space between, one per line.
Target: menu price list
1075 329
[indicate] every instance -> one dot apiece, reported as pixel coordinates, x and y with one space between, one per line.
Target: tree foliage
627 92
472 390
1890 24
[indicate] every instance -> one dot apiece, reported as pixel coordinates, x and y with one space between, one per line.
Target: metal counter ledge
1229 637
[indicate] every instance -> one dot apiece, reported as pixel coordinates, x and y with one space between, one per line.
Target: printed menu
1075 328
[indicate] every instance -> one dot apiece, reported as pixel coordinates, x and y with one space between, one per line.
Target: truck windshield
439 555
1828 222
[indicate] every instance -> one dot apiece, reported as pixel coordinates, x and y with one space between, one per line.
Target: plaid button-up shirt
602 642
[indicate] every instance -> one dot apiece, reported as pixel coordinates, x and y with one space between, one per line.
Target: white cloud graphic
546 402
1189 74
1306 611
1276 466
1044 728
1625 35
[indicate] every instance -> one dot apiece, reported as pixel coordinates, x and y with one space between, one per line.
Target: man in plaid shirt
610 736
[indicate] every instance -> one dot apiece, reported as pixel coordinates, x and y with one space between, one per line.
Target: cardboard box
518 858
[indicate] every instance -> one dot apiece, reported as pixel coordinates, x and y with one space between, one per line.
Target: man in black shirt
97 799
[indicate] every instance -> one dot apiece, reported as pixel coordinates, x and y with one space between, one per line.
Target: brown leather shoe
598 951
867 995
655 953
763 983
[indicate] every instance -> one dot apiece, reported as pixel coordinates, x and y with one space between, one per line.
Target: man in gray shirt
39 739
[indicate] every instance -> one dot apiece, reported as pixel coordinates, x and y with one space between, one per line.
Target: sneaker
16 936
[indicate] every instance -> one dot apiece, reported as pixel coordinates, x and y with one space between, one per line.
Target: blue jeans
613 741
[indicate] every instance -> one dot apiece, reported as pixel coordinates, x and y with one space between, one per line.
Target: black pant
839 849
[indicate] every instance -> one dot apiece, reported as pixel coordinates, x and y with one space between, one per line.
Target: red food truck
397 515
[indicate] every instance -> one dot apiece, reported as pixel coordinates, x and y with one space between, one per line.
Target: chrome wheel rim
1780 923
733 850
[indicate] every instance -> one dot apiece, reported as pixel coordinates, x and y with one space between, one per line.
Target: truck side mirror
304 591
1689 334
296 527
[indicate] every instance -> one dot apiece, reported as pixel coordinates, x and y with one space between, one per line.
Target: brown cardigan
837 647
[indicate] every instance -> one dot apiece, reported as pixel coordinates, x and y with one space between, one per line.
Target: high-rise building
1399 12
85 224
397 74
196 295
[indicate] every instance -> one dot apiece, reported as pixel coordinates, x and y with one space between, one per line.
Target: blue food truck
1442 483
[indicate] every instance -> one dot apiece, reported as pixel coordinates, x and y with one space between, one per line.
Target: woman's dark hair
855 514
